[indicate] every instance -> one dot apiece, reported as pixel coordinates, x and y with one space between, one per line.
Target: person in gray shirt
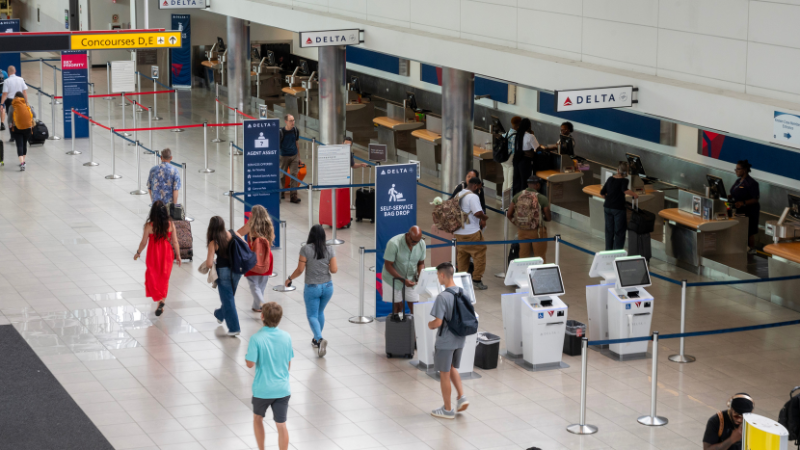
448 348
319 262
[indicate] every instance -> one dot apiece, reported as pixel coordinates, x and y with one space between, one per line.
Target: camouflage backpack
448 216
526 211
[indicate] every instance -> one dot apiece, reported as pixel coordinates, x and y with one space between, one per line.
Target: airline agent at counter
744 196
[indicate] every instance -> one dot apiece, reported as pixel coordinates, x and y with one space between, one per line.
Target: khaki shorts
411 296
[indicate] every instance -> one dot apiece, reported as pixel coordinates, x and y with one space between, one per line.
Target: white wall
51 14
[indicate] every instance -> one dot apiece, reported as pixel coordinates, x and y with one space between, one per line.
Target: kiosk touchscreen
597 295
630 307
544 319
516 275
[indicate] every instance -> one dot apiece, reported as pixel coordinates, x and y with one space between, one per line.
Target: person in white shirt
471 232
11 86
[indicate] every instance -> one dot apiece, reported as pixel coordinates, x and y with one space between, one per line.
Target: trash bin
573 336
487 351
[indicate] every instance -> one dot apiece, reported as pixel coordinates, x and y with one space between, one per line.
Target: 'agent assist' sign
330 38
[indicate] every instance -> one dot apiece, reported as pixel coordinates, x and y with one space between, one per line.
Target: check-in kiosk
630 307
785 251
544 319
597 295
510 305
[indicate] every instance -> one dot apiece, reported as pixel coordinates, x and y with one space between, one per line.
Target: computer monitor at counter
717 188
411 100
632 272
794 206
635 165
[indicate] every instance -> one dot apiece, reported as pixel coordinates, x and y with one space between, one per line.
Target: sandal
160 308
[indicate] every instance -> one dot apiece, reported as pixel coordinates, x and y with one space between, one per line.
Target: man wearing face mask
724 429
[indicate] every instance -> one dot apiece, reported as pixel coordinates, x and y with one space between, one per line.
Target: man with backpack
724 429
290 155
470 231
455 319
528 211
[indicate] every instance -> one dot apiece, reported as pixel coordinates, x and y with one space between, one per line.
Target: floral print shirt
163 179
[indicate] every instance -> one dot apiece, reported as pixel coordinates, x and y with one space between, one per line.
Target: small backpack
463 321
789 417
449 217
241 257
499 148
526 211
294 131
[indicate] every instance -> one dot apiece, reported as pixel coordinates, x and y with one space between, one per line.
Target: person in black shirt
724 429
463 185
566 143
614 191
745 194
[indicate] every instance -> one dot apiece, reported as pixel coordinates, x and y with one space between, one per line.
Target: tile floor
69 284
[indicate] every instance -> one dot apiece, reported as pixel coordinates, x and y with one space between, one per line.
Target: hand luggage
513 252
185 241
399 335
39 134
365 201
641 221
301 174
175 212
2 153
342 208
639 244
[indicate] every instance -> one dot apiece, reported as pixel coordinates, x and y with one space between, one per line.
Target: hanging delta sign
330 38
182 4
165 39
594 98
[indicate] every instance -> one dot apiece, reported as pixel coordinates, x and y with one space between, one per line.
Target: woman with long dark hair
217 240
318 261
526 148
745 195
162 245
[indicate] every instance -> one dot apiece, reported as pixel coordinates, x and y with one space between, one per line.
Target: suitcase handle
403 293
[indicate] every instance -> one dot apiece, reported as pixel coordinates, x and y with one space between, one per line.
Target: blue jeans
226 285
615 228
317 297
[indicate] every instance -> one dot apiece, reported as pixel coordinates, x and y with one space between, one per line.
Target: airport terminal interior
581 343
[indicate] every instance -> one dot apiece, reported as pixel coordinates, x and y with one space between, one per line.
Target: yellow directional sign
167 39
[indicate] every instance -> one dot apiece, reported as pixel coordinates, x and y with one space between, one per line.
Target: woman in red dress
162 245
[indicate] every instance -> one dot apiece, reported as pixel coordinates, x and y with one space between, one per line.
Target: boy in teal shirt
270 352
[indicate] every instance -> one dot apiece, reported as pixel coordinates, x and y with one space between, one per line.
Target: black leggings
22 137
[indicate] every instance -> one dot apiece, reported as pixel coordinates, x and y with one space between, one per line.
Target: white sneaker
323 348
234 333
443 413
462 404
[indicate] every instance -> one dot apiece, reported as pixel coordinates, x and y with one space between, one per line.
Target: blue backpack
463 321
241 257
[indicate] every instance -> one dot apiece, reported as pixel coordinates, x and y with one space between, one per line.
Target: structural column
238 62
457 124
332 94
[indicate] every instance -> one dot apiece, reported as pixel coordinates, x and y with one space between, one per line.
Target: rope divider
730 330
568 244
371 250
295 179
623 341
90 120
153 79
123 137
670 280
435 237
37 60
159 128
53 67
516 241
132 93
438 246
40 91
759 280
234 109
343 186
366 161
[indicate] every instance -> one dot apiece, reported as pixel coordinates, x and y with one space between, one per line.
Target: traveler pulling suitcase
640 225
342 208
185 240
400 337
365 201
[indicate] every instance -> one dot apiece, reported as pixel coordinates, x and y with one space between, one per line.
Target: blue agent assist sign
75 82
262 168
181 58
396 206
10 59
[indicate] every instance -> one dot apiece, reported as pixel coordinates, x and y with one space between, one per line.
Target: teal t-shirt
271 350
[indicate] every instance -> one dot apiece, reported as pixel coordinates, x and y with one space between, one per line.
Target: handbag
176 212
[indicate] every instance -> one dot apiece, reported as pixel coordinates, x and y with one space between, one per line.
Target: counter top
692 221
594 190
427 135
554 176
482 153
787 250
293 90
395 124
213 63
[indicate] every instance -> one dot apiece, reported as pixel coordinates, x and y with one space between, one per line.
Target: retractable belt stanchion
282 286
333 240
91 99
681 357
230 203
122 96
654 420
558 248
108 81
185 202
314 161
41 77
72 118
352 192
581 427
177 129
230 156
138 191
236 131
155 103
453 252
113 175
91 162
505 246
150 125
54 136
216 114
39 96
310 205
139 89
55 85
135 133
361 318
205 149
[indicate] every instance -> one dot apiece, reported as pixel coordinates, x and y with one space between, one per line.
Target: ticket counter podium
428 288
762 433
597 295
544 320
630 308
516 275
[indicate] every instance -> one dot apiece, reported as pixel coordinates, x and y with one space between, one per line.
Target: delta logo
597 98
568 102
179 3
638 304
551 313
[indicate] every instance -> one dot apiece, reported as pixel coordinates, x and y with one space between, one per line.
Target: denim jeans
615 228
317 297
226 285
258 284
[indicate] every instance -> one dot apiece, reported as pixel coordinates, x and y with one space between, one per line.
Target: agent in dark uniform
724 429
566 143
744 196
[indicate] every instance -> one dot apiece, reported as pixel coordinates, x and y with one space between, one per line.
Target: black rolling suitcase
2 153
39 134
365 202
640 225
400 337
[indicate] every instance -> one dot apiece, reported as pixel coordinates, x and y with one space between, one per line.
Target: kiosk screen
794 206
546 281
633 272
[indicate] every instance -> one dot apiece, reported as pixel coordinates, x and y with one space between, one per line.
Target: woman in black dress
744 196
526 151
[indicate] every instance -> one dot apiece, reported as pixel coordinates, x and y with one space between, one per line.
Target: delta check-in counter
360 112
785 262
429 145
564 183
394 130
652 200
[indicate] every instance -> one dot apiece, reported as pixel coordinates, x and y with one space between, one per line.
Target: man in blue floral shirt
164 180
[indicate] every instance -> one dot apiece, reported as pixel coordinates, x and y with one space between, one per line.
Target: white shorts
411 296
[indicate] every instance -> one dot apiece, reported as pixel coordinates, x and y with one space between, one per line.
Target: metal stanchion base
188 219
131 145
283 288
352 208
361 319
126 135
682 358
113 177
500 275
58 102
91 164
582 429
177 130
206 170
73 152
138 192
334 242
226 194
156 119
274 274
372 268
54 138
653 421
237 153
217 141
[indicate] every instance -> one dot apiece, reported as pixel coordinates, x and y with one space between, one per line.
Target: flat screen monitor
497 126
517 273
411 100
545 280
270 58
632 272
603 263
428 283
464 281
220 45
635 163
355 85
304 67
794 206
717 188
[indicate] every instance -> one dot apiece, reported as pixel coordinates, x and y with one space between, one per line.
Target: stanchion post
582 427
314 161
72 128
310 205
124 133
230 203
505 246
285 250
230 156
681 357
134 103
361 318
176 129
236 128
54 136
108 81
155 102
91 162
186 202
91 99
113 175
55 86
558 248
216 114
150 125
39 96
654 420
333 240
41 77
453 252
205 149
138 191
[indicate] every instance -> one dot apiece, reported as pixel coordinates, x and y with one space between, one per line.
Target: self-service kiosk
597 295
429 287
544 319
630 307
516 275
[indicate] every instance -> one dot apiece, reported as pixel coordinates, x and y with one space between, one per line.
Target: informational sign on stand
336 161
377 152
181 58
123 76
75 82
396 212
10 59
262 168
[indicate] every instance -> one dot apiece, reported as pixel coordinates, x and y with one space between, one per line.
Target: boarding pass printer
597 295
630 307
544 319
516 275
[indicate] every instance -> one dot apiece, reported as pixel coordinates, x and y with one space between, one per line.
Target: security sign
167 39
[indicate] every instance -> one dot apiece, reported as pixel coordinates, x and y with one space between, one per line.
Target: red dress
159 260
